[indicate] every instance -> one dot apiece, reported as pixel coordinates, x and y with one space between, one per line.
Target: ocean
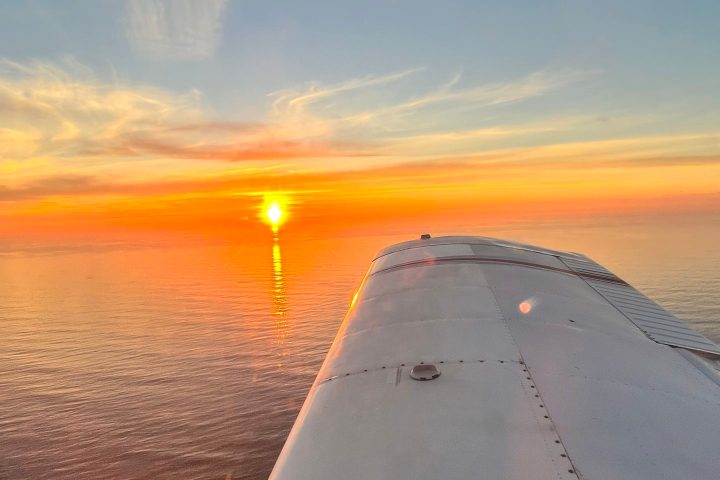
191 358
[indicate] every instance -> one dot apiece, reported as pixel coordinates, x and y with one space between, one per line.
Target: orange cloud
260 150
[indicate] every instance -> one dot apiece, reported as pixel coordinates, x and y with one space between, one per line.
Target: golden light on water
279 300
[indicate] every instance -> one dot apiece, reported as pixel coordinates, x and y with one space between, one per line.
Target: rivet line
447 362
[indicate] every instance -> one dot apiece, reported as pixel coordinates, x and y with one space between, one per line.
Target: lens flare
525 307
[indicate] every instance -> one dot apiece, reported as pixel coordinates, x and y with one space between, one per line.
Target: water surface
191 359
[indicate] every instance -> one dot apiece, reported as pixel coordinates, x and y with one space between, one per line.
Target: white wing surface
551 367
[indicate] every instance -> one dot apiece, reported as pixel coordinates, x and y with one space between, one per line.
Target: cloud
309 105
62 110
272 149
63 114
174 29
54 185
534 85
554 170
299 100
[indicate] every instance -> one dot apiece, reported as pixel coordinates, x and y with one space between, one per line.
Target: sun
274 210
274 213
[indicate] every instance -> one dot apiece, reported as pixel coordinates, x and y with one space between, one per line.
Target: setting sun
274 214
274 210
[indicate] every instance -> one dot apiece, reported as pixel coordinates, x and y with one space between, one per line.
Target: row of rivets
545 416
403 364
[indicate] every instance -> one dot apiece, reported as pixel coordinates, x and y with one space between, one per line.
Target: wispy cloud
309 105
62 110
534 85
174 29
298 100
401 115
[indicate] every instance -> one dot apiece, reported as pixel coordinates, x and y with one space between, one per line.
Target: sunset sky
186 115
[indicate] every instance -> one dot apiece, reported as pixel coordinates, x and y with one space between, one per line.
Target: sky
186 115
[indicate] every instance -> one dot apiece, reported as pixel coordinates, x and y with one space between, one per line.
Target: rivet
461 361
384 366
546 416
347 374
528 378
571 471
536 396
541 406
501 361
402 364
365 370
573 321
557 441
422 363
563 455
442 361
532 386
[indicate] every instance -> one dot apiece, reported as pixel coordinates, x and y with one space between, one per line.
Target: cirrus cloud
174 29
62 110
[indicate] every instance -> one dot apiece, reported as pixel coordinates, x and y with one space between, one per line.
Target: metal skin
542 376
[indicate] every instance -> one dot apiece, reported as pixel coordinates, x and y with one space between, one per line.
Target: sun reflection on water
279 299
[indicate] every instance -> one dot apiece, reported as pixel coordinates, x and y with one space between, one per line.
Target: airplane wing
470 357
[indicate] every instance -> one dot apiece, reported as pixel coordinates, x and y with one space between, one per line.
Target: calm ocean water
191 360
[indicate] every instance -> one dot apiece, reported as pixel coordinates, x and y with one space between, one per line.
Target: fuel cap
424 372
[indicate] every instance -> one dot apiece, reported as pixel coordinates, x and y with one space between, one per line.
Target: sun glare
274 211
